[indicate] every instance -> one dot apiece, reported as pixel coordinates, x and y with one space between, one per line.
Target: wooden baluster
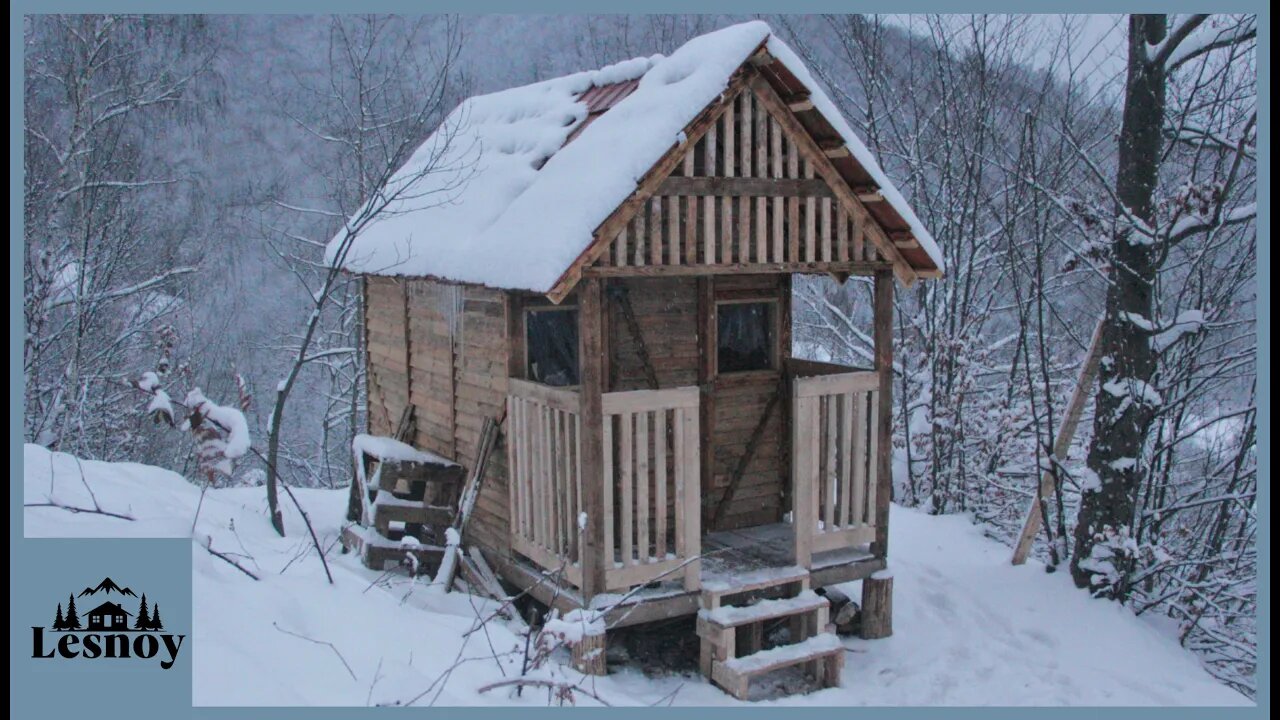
848 459
660 484
627 447
873 466
642 486
830 474
608 479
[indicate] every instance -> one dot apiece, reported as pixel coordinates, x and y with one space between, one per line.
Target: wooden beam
870 197
591 390
799 106
883 334
706 383
1061 444
833 147
745 186
809 148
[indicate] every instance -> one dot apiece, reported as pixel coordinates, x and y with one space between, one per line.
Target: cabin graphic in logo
108 630
108 616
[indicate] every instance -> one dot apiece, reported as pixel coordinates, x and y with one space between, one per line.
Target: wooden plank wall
743 194
740 401
387 338
480 387
666 310
443 348
432 317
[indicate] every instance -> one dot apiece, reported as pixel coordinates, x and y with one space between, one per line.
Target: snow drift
969 628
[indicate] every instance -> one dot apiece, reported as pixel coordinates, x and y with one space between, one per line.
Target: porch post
591 362
883 332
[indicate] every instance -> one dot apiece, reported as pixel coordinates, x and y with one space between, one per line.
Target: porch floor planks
729 558
746 551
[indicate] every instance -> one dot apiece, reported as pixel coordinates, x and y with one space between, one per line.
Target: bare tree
1162 200
390 82
106 254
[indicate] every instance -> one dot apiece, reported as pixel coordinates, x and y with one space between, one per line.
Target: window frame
529 309
775 335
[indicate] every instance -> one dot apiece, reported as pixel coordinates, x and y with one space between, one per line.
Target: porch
656 506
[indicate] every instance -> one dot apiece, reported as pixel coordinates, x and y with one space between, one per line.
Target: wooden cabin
661 452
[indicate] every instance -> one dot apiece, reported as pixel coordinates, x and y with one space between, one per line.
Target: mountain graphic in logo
107 586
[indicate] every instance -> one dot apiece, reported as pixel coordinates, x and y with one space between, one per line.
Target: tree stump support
588 653
877 606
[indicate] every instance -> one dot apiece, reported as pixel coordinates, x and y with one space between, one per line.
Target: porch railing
650 477
544 459
651 469
834 470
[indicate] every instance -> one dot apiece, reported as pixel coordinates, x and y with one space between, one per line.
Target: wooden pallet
404 499
377 552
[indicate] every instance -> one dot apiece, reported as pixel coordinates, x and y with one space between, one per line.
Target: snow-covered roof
511 203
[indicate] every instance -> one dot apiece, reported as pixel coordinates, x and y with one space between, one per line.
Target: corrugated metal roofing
600 99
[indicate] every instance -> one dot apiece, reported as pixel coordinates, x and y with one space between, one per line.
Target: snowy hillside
969 629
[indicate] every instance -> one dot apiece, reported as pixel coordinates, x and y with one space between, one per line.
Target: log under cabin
602 263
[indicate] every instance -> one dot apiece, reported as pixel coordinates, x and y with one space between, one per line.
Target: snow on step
732 616
391 450
784 655
386 499
733 583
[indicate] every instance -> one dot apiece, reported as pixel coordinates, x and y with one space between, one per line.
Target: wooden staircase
732 635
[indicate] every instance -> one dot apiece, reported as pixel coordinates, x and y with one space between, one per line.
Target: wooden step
730 616
714 590
387 508
825 649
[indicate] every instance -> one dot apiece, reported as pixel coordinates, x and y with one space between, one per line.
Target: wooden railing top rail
857 381
809 368
643 400
560 398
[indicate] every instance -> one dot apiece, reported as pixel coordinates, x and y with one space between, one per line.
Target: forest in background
183 174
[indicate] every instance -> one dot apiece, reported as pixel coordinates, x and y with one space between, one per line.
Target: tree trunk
1123 409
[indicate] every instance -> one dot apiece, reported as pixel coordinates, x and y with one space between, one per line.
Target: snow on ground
969 628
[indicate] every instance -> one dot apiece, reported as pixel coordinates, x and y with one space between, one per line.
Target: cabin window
746 336
551 343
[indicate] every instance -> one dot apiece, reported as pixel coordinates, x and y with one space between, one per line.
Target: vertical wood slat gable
730 232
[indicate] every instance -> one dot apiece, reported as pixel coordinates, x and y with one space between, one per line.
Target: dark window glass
745 337
551 337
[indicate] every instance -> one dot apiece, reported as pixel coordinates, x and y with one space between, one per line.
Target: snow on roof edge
457 241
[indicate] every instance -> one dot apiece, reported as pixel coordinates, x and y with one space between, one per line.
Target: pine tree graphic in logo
108 630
